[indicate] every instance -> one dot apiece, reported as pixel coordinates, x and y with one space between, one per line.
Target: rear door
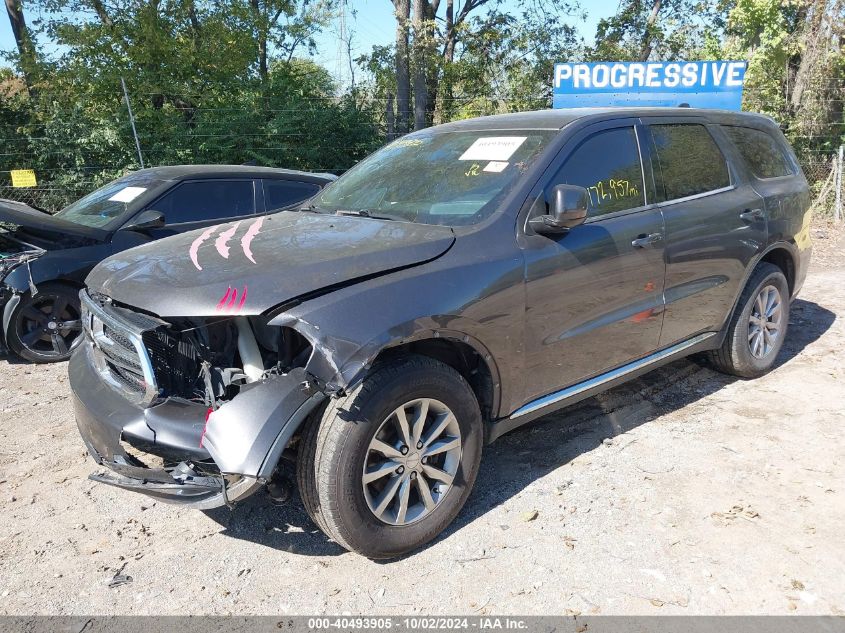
715 224
772 172
594 295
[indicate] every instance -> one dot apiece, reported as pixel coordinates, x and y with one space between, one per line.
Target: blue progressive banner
714 84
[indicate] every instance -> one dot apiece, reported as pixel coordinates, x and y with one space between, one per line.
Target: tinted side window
207 200
688 161
281 193
608 166
760 151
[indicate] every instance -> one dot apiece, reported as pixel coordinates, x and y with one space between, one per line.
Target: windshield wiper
363 213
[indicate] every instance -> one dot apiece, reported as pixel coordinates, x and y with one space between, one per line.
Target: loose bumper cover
180 451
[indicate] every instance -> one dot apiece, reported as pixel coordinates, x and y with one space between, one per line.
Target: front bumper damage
180 451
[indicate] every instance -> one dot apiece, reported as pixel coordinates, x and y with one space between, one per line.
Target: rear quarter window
688 161
283 193
762 153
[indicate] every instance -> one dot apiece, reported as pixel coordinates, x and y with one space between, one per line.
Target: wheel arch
463 353
781 254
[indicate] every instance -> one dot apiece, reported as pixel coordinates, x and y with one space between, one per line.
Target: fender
68 266
340 365
788 246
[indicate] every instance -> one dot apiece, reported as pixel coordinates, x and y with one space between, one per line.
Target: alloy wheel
766 322
411 462
49 325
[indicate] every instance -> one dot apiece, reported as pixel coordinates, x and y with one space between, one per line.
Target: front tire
46 327
758 326
389 466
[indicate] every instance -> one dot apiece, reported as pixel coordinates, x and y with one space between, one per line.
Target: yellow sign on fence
23 178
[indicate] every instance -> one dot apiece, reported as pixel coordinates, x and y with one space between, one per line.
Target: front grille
121 339
117 337
131 380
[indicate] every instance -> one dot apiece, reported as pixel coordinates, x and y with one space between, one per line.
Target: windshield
449 178
100 207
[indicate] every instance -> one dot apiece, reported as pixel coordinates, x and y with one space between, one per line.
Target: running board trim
574 390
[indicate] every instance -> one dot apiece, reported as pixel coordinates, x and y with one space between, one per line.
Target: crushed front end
196 411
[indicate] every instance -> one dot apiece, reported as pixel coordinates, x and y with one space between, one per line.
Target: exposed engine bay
14 251
209 360
202 360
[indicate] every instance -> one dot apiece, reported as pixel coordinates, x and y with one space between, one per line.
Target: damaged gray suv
460 282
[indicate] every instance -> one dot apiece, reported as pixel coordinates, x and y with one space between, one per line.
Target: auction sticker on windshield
127 194
495 166
497 148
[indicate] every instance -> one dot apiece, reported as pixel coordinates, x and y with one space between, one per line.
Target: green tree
658 30
475 58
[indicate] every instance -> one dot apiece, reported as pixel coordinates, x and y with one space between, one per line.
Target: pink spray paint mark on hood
222 241
229 301
246 240
195 245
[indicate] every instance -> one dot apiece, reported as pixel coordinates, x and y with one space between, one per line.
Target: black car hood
250 266
43 224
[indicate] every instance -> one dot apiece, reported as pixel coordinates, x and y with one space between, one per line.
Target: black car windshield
100 207
449 178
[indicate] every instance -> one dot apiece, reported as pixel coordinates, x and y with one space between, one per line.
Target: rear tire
386 468
758 326
46 327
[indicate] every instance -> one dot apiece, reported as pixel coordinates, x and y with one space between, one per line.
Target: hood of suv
250 266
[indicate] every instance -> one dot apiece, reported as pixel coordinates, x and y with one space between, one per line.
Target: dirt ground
683 492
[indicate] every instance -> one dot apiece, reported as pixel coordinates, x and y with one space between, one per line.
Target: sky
371 23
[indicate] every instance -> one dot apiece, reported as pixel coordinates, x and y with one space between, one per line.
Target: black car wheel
45 328
386 468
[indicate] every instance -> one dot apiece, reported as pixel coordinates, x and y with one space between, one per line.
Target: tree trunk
261 37
645 51
102 14
444 93
813 49
389 118
403 72
26 50
451 35
420 62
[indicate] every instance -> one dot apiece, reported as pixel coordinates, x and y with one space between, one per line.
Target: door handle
749 215
641 241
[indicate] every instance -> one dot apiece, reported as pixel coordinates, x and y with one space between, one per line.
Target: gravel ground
683 492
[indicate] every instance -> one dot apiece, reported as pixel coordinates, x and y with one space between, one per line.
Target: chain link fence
821 173
46 197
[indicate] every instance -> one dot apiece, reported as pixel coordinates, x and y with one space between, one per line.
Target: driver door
594 295
196 204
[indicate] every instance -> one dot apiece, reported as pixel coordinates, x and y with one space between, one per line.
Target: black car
460 282
44 258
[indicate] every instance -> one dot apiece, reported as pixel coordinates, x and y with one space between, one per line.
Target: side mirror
145 221
567 208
